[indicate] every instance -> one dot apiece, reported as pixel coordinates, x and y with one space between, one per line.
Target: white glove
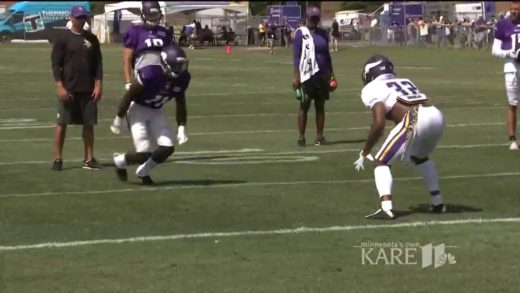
127 85
119 125
359 163
181 135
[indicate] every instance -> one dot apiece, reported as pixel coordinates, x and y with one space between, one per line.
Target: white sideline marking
317 151
289 231
247 184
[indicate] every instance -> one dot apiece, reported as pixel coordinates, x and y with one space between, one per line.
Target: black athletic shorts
317 87
79 109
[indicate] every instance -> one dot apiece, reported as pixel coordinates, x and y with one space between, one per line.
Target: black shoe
147 180
438 209
320 141
301 142
92 165
122 174
57 165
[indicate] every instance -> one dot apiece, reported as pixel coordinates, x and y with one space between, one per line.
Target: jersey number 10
153 43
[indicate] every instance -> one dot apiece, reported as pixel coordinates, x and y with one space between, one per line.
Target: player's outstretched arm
132 94
377 129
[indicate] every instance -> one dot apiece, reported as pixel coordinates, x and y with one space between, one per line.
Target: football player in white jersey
418 128
507 45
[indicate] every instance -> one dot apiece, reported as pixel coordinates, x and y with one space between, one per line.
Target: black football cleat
146 180
122 174
301 142
57 165
320 141
92 165
438 209
380 214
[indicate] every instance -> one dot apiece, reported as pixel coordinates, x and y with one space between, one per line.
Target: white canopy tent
241 8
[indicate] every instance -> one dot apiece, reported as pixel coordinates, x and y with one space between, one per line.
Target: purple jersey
321 49
159 88
141 39
509 33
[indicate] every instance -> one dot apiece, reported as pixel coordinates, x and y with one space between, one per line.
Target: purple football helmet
175 59
151 13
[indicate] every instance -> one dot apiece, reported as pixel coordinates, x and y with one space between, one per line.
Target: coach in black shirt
78 71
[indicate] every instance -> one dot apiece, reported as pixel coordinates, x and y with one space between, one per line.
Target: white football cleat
514 146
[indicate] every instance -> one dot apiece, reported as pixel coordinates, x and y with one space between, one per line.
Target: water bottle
299 93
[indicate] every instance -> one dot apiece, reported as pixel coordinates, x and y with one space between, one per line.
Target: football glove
181 135
514 54
127 85
119 125
359 163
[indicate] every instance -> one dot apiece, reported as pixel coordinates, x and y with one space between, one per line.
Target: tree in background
364 6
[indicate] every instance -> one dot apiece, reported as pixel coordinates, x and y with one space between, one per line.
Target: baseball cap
78 11
313 12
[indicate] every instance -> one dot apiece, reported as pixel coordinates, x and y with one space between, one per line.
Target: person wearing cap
77 68
313 73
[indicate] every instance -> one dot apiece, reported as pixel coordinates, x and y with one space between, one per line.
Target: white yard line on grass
238 152
247 184
218 132
287 231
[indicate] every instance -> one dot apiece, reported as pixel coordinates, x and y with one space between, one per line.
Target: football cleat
514 146
122 174
301 142
381 214
57 165
146 180
438 209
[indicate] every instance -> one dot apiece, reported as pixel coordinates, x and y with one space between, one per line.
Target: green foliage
365 6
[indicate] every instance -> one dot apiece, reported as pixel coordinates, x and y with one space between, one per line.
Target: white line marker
287 231
247 184
316 151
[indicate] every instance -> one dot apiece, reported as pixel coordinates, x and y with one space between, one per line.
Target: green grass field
225 213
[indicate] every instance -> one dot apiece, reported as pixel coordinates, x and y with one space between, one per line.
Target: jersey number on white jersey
407 92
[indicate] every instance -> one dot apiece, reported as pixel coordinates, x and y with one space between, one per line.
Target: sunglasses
81 17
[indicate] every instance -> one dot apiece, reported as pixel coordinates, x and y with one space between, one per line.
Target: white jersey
388 89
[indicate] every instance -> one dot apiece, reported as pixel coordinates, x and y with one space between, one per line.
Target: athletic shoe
57 165
92 165
380 214
122 174
438 209
320 141
147 180
301 142
513 146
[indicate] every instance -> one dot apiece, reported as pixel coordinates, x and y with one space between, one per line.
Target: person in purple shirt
507 45
142 104
141 39
317 86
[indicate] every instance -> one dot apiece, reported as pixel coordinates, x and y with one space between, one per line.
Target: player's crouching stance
142 104
418 129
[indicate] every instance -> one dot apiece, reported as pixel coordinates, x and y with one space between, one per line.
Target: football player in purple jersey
142 104
148 37
507 45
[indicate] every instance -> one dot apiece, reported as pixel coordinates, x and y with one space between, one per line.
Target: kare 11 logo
406 253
